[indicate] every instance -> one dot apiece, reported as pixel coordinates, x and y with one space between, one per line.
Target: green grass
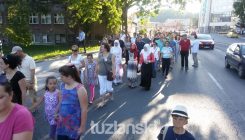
42 52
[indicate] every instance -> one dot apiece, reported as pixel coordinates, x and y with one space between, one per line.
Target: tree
111 16
239 10
85 12
17 29
146 8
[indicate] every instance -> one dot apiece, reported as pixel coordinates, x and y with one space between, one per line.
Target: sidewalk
50 68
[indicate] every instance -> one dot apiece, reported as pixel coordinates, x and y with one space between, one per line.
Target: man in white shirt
28 67
81 39
133 39
194 51
123 37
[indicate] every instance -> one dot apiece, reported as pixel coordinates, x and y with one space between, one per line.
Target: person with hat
177 131
27 67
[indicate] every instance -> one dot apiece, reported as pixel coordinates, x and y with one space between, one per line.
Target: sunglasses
74 50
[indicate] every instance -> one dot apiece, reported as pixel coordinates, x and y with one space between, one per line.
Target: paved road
214 97
222 42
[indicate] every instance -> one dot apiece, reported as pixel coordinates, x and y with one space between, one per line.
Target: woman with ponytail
73 108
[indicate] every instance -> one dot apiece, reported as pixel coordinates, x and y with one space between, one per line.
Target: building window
60 38
37 38
46 19
47 38
59 19
42 38
33 19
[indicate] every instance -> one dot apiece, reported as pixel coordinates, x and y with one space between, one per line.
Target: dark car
206 41
235 58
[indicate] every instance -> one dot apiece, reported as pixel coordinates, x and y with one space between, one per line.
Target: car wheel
241 72
212 48
227 65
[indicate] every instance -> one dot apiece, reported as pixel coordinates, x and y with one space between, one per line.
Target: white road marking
216 82
223 91
92 127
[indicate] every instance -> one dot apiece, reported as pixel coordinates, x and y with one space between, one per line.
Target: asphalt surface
213 95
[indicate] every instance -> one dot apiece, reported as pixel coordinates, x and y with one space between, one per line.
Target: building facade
216 16
52 27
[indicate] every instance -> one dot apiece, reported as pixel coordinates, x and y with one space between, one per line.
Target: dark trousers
52 131
184 58
165 65
82 44
154 73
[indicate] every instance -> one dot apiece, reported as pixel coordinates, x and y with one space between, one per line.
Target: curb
61 56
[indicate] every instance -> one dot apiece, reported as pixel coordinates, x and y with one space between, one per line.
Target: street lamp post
1 48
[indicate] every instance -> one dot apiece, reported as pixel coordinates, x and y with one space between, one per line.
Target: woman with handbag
105 70
146 60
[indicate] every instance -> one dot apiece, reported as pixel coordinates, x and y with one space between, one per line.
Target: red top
19 120
150 58
185 45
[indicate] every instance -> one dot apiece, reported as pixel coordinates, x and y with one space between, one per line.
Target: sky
192 7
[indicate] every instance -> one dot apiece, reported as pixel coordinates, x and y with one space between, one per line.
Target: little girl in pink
90 75
51 100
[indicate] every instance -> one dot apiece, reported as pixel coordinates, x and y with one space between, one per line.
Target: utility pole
1 48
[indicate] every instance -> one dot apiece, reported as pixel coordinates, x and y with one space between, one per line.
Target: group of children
52 96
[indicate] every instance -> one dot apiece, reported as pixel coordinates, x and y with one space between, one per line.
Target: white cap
180 110
15 49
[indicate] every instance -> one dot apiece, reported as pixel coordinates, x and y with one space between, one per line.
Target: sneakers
195 66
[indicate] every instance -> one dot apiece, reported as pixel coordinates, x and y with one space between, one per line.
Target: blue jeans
155 68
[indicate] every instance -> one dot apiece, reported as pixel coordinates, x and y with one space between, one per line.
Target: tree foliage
239 10
17 29
85 12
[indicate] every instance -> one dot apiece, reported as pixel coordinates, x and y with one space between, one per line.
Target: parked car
232 34
206 41
235 58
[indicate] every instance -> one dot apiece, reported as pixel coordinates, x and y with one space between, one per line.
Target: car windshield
206 37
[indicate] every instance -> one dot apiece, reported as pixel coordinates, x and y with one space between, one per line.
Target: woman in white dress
116 50
76 59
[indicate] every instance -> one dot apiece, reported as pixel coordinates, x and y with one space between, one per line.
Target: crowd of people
66 105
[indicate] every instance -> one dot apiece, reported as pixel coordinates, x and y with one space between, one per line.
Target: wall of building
216 16
52 28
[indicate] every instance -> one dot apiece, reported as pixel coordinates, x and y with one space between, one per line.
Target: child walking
90 75
51 100
73 107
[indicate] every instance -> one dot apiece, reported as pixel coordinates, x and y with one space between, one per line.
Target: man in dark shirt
146 40
177 131
140 45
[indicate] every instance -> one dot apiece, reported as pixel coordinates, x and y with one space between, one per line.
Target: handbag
109 74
